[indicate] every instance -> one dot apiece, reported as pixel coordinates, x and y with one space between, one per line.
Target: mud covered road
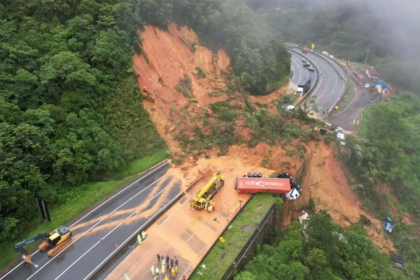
113 221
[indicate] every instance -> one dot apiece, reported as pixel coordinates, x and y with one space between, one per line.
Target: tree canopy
320 250
385 32
70 108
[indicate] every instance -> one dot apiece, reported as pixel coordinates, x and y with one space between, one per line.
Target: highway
330 83
300 72
96 235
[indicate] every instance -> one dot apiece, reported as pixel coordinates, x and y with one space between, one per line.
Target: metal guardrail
315 84
334 64
132 239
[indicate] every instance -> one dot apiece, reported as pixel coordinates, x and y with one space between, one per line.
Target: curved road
330 83
300 72
114 221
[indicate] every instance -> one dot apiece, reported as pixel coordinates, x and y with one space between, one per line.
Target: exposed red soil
168 56
326 184
189 234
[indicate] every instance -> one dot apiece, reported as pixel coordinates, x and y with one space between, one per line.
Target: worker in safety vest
153 270
157 270
126 277
143 235
173 273
163 266
166 278
139 241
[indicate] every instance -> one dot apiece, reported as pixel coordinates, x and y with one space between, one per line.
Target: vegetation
70 108
321 250
200 72
391 150
351 30
184 87
259 59
81 198
221 255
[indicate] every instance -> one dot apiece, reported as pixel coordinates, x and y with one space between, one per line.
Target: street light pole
367 54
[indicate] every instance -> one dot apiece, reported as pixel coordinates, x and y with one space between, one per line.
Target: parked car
311 68
367 85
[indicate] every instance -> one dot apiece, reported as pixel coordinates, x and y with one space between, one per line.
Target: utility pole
367 54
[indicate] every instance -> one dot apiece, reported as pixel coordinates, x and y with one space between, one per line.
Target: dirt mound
326 184
167 57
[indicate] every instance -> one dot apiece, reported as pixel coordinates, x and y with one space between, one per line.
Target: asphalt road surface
347 118
113 222
330 83
300 72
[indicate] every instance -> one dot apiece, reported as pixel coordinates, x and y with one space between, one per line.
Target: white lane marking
319 77
157 168
123 261
70 266
192 235
130 255
94 245
184 272
342 88
134 273
157 213
300 72
205 246
326 86
167 218
95 226
335 85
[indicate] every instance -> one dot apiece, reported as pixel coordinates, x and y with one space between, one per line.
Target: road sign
43 209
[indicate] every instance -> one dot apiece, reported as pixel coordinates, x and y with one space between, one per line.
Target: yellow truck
208 191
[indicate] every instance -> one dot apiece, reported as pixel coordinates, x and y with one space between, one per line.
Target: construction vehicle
57 241
208 191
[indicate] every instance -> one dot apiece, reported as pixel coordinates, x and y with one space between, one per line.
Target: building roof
373 72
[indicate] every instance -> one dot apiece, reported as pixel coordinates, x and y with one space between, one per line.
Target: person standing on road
184 277
153 270
158 257
163 266
167 261
157 270
126 277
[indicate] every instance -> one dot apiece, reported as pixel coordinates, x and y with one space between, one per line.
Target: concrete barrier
334 65
99 270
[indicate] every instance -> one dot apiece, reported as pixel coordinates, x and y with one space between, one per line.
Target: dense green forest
70 108
390 149
321 250
260 61
387 30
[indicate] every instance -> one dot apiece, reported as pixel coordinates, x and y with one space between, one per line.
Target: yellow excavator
208 191
55 241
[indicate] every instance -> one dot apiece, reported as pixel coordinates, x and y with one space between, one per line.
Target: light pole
367 54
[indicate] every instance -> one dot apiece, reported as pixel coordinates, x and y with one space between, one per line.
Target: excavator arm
19 247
